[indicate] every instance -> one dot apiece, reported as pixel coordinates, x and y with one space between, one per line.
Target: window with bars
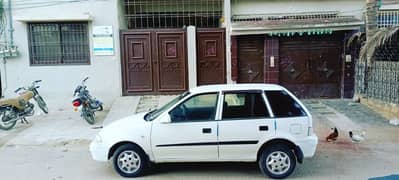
388 18
60 43
141 14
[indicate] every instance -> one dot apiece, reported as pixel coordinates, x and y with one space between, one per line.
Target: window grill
59 43
388 18
327 15
142 14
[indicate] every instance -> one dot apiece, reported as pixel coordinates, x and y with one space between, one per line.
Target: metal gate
250 59
211 68
310 66
153 61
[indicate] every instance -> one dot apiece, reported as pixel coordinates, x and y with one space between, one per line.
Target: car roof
232 87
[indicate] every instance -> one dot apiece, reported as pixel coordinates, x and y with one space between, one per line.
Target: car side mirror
166 119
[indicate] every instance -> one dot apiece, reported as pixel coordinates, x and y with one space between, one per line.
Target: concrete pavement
63 125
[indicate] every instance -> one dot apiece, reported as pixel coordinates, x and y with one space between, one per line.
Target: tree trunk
371 22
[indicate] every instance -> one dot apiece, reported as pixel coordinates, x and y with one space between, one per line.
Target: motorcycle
14 109
85 103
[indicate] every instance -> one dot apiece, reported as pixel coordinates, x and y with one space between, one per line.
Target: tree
1 10
379 39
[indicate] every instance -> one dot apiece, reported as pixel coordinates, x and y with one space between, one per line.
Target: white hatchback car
261 123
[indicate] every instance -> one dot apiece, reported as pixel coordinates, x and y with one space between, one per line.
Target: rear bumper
308 145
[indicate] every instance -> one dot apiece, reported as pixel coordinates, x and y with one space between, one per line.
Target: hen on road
333 135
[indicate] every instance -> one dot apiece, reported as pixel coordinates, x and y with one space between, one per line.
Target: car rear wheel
129 161
277 161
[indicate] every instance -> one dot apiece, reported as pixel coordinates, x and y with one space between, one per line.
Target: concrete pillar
227 22
3 76
192 56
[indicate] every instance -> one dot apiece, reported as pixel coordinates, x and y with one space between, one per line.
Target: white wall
59 81
353 7
390 7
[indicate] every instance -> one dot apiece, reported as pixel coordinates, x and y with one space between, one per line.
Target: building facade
130 47
55 44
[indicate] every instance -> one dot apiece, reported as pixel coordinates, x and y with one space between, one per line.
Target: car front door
191 134
244 125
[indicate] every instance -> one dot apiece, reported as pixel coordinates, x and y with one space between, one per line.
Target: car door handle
206 130
263 128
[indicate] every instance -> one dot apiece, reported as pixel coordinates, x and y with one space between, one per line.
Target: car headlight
98 139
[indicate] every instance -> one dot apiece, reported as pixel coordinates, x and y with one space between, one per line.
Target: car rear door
244 123
292 120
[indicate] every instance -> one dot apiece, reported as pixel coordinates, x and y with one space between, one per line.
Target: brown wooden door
153 62
211 56
250 59
310 66
171 63
137 62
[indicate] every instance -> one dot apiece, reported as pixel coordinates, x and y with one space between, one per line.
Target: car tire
277 161
129 161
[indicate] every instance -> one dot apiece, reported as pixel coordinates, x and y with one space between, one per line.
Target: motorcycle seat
15 102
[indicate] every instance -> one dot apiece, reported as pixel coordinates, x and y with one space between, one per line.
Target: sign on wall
103 41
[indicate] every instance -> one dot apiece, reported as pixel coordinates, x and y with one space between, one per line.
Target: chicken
357 137
333 135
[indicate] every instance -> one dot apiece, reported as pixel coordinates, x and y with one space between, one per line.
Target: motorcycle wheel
89 117
42 104
4 125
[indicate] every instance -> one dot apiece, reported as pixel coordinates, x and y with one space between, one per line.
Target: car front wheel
129 161
277 161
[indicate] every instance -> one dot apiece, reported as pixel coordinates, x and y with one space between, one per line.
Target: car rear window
244 105
283 105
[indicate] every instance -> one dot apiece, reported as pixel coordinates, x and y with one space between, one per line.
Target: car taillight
76 103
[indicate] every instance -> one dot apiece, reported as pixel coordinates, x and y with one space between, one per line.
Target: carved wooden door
153 61
310 66
250 59
211 56
137 60
171 61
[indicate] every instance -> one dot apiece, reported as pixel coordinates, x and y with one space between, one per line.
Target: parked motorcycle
85 103
14 109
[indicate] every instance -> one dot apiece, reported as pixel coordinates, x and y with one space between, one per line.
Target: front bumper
308 145
98 152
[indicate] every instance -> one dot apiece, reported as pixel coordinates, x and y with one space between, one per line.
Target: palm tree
1 9
379 39
356 40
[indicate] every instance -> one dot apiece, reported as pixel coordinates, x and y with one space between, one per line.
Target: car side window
200 107
243 105
283 105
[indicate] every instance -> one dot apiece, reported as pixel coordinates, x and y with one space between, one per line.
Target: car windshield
156 112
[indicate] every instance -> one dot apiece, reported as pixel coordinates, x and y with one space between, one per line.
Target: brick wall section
271 74
234 58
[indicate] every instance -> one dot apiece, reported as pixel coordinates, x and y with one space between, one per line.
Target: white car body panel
175 142
246 131
129 129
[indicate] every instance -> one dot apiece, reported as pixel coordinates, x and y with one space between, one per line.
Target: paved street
55 146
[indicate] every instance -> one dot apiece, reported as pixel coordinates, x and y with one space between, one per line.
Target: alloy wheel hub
129 161
278 162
